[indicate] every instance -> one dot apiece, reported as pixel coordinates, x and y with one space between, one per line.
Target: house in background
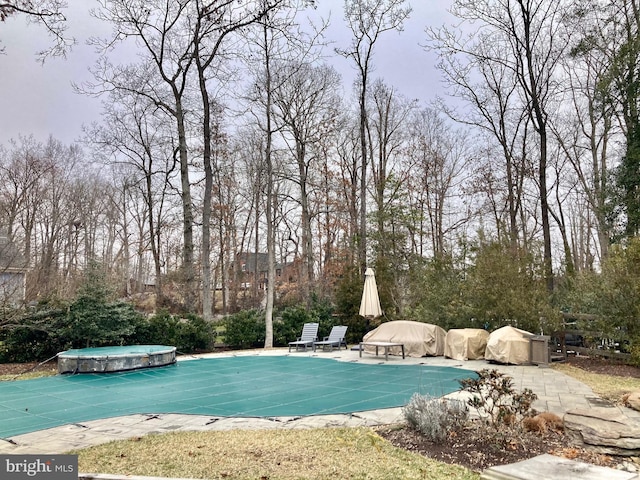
13 270
254 267
248 283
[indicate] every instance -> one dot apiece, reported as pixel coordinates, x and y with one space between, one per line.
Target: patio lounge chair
309 335
335 339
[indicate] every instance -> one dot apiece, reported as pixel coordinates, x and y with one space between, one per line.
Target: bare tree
226 209
48 13
367 20
22 180
248 154
53 216
587 132
439 163
214 22
334 206
307 105
528 32
585 136
163 32
490 88
386 134
274 40
133 135
349 159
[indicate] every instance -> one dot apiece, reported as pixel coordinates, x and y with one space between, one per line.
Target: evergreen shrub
245 329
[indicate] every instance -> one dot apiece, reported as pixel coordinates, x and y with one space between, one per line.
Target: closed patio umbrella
370 304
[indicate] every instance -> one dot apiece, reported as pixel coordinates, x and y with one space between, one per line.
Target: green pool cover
244 386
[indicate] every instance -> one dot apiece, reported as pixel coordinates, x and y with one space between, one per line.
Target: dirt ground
604 366
475 447
23 368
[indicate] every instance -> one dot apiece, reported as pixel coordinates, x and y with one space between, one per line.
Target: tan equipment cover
509 345
465 343
419 339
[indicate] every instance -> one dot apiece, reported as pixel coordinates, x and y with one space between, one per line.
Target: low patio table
384 345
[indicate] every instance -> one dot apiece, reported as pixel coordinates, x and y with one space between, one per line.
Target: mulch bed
478 447
603 365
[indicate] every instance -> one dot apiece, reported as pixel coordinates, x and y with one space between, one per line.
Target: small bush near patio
496 400
496 436
434 417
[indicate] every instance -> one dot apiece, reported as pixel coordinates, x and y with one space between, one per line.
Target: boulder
603 430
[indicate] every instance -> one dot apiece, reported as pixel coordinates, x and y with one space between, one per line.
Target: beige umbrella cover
370 304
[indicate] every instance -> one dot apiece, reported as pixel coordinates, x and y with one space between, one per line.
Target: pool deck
557 393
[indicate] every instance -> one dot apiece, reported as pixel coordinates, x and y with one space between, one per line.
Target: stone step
550 467
603 430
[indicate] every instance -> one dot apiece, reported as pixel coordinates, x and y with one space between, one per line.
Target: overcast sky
39 99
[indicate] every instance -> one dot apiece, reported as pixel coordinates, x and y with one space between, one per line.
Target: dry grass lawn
605 386
330 453
24 376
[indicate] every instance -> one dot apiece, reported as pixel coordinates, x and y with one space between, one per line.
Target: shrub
288 322
160 329
92 323
245 329
25 344
495 399
288 325
94 319
37 335
435 418
194 333
505 286
435 292
187 333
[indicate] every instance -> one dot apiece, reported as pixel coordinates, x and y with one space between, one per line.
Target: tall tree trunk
270 207
306 266
362 243
207 301
532 87
188 272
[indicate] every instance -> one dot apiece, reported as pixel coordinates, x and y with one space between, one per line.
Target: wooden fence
570 320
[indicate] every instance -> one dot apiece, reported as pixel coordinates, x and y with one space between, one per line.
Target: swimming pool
243 386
